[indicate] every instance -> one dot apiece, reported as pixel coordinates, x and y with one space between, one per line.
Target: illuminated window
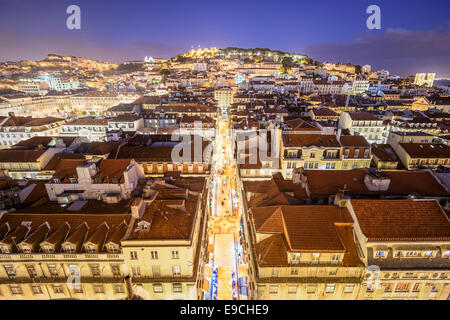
349 288
330 288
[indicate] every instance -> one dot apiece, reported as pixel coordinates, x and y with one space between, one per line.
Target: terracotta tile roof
306 227
299 124
324 112
103 148
403 183
11 155
67 168
272 252
402 220
29 121
70 226
307 140
34 142
56 159
384 152
362 116
426 150
112 168
353 141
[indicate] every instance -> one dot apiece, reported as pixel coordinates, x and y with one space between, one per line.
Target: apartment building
423 155
159 154
406 248
363 123
155 237
26 164
356 152
14 129
224 97
286 250
312 151
109 179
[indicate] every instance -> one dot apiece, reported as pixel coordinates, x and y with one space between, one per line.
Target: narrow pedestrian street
226 282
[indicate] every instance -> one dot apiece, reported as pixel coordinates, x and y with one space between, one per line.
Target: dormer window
26 249
47 248
144 226
56 180
113 248
91 248
70 248
4 249
380 254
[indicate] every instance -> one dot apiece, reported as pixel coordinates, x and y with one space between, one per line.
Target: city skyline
414 36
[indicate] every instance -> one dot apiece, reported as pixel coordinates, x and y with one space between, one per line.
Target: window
176 271
274 272
15 289
52 269
70 248
313 155
31 271
311 288
335 258
273 289
47 249
330 288
333 271
349 288
416 287
296 257
154 255
4 249
156 271
294 271
133 255
78 289
175 254
58 289
118 288
346 152
10 271
113 248
402 287
136 270
315 257
177 288
292 288
36 288
157 288
388 287
95 270
98 288
380 254
115 268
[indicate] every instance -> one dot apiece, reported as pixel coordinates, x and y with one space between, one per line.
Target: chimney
128 287
338 135
137 208
376 182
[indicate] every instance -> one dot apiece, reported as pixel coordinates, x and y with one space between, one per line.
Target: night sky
414 35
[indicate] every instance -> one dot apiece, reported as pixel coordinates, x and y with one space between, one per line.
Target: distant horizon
414 35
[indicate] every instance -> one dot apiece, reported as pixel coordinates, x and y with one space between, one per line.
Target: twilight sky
414 35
